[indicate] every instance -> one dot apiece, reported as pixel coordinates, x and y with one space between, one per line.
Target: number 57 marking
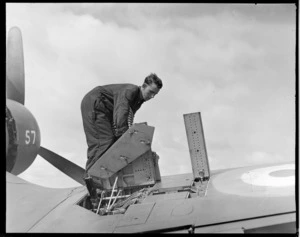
30 136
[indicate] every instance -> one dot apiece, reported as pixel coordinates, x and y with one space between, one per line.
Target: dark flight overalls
107 112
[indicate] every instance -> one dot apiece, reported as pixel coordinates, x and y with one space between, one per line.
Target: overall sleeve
121 110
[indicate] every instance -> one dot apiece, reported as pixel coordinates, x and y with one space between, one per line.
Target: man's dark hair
153 78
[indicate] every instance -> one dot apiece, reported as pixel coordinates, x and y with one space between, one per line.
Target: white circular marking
262 177
256 182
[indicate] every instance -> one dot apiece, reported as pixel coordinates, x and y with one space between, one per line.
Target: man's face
149 91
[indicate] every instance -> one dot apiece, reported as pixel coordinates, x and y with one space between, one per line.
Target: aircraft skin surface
256 199
237 206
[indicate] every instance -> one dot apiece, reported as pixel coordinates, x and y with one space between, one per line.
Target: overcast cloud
233 63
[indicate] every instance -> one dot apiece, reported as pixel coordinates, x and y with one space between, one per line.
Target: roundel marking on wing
263 177
278 180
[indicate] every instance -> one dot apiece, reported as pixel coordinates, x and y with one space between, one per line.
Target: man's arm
121 110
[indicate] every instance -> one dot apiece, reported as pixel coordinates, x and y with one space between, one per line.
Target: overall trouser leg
97 128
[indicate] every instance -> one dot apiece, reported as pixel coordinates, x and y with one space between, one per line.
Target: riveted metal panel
144 170
197 147
140 172
136 214
135 142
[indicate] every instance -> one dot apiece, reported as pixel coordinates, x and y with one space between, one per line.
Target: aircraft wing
231 204
33 208
27 204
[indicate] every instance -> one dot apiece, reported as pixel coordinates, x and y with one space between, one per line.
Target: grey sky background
234 63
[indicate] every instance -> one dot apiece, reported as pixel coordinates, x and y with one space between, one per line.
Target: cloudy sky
233 63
